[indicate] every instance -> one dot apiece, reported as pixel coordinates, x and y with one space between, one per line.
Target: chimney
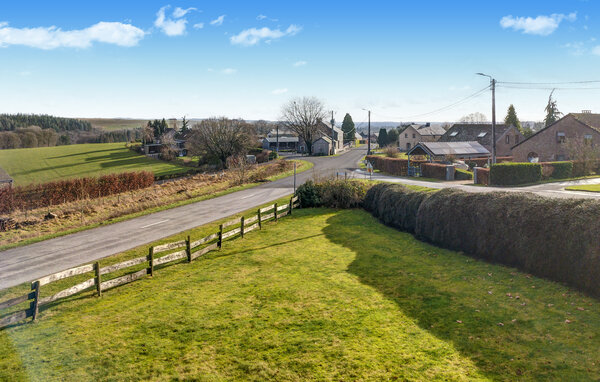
586 111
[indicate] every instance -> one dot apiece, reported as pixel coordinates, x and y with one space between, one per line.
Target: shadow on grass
470 303
85 153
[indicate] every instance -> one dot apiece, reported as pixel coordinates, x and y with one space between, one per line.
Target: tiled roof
592 120
480 132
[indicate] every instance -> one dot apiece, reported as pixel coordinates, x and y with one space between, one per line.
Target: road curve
27 263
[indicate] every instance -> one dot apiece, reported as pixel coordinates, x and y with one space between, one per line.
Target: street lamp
369 135
493 84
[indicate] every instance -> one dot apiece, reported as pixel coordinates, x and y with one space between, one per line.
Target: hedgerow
434 170
332 193
509 174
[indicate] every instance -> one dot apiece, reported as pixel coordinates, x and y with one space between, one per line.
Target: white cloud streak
540 25
53 37
229 71
180 12
254 36
279 91
300 63
199 26
218 21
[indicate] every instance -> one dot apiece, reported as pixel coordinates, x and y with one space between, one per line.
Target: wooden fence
183 249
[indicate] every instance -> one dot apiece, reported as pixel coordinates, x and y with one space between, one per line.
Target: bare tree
239 167
584 151
220 138
474 118
302 116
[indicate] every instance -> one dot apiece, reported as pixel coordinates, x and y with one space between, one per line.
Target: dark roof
430 130
281 139
480 132
4 177
587 119
464 149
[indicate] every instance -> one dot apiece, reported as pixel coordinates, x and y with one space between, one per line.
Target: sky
245 59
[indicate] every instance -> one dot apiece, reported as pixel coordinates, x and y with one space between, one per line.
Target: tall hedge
434 170
557 170
510 174
554 238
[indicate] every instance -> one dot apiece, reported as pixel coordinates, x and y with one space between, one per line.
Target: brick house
414 134
506 136
550 143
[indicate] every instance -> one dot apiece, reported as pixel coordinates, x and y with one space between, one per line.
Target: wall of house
504 149
406 137
546 145
321 147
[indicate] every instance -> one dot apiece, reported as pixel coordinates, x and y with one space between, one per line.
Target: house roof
4 177
587 119
480 132
464 149
281 139
430 130
326 139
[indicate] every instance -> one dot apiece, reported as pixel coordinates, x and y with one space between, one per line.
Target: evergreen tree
348 128
393 136
552 113
382 139
512 119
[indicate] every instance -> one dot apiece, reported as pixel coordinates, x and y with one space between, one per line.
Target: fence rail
201 247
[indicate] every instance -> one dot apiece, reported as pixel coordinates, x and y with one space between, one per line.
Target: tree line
11 122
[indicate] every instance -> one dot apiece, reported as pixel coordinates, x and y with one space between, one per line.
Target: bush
507 174
393 166
549 237
391 151
557 170
434 170
273 155
332 193
460 174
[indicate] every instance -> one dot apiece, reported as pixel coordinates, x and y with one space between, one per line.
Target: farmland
110 124
44 164
325 294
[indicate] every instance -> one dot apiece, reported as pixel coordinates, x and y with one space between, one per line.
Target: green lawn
323 295
44 164
111 124
588 188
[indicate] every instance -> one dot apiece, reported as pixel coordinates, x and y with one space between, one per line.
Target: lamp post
369 135
493 85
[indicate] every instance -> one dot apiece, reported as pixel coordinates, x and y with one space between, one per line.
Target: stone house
322 146
506 136
414 134
551 143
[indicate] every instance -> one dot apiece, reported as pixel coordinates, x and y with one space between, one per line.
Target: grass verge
322 295
587 188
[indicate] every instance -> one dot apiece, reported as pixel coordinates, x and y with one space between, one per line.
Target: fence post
259 220
97 278
188 249
35 286
220 242
242 227
150 270
275 211
291 204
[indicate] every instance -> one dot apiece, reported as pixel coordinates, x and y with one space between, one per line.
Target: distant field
44 164
116 123
588 188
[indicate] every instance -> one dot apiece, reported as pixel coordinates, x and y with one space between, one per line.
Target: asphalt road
33 261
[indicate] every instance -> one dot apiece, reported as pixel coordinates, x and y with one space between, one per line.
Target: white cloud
199 26
174 26
300 63
218 21
180 12
575 48
54 37
253 36
280 91
540 25
229 71
261 17
596 50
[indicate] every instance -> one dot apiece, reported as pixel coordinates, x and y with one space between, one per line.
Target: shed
322 146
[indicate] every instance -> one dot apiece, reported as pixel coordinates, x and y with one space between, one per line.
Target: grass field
588 188
44 164
111 124
323 295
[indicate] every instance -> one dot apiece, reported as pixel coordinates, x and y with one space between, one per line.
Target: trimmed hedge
509 174
393 166
480 162
460 174
52 193
557 170
434 170
554 238
332 193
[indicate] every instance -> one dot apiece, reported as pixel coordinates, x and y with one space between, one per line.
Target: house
322 146
325 130
154 149
414 134
286 143
552 142
506 136
281 132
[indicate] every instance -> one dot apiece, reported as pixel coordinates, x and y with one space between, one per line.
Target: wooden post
259 220
34 306
220 242
275 211
150 261
291 204
242 227
97 278
188 249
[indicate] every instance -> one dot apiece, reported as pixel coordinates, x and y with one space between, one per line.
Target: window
508 139
454 133
560 137
405 135
533 157
408 146
482 134
587 139
414 135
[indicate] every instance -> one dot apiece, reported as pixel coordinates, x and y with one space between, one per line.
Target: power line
549 83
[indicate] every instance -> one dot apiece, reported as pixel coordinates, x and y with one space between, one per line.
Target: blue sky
245 59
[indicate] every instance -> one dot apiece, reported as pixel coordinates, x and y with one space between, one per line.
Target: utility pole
277 139
333 145
493 87
369 136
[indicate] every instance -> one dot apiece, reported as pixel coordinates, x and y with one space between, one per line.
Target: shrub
332 193
460 174
309 194
557 170
506 174
480 162
434 170
273 155
391 151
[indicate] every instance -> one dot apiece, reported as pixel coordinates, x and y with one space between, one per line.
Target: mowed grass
588 188
323 295
111 124
45 164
